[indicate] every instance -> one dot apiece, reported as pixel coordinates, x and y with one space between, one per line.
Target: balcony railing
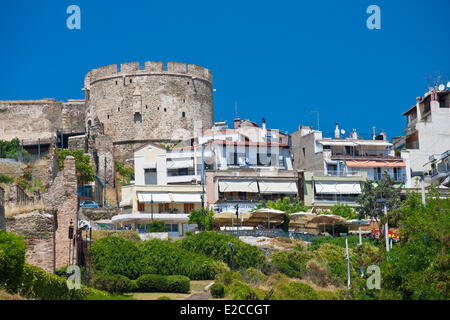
335 173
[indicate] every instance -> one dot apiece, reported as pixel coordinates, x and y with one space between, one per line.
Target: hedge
113 283
166 258
158 283
12 260
215 245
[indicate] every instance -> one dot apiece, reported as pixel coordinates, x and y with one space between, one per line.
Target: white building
427 132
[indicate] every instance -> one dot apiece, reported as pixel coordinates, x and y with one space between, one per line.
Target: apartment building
335 167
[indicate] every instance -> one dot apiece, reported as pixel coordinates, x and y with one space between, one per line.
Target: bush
254 276
12 260
6 179
38 284
291 263
126 234
156 226
166 258
164 298
239 290
188 233
215 245
116 255
228 277
217 290
317 272
290 290
113 283
158 283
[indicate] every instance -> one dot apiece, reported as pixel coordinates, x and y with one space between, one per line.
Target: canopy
375 164
301 217
187 197
176 164
146 197
328 219
238 186
278 186
332 187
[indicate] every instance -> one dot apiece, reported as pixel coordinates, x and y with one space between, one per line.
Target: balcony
335 173
181 179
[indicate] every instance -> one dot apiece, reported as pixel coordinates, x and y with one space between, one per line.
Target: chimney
336 132
263 124
237 122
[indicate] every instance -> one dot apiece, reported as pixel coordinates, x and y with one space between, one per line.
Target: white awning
177 164
277 186
146 197
186 197
337 143
238 186
334 187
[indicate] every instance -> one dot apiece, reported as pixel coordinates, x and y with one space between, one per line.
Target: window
118 109
183 115
165 109
146 106
188 82
137 117
131 80
304 152
108 116
188 207
116 83
172 227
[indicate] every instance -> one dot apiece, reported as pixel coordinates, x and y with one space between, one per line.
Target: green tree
125 173
343 210
85 172
204 219
385 189
13 150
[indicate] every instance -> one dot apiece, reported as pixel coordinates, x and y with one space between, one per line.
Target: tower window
116 83
146 107
188 82
108 116
158 108
137 117
165 109
118 109
183 115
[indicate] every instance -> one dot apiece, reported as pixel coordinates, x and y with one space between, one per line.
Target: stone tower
134 103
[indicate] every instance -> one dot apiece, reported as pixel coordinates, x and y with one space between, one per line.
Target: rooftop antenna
373 130
317 112
235 109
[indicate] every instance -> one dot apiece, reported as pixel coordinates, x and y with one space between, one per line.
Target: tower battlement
148 68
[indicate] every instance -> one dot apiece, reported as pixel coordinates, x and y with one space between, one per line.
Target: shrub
38 284
12 260
157 226
217 290
215 245
291 263
164 298
317 272
113 283
127 234
6 179
290 290
254 276
188 233
332 256
228 277
166 258
158 283
116 255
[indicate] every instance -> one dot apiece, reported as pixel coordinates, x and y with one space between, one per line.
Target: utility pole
346 256
420 174
237 219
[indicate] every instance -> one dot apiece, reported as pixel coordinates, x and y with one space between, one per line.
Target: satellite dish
441 87
342 131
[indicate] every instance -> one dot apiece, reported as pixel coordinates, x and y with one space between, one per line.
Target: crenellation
154 66
129 67
176 67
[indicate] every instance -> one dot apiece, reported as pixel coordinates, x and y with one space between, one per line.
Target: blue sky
278 59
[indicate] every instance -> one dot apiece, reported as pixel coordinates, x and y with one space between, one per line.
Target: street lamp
386 227
346 256
422 178
237 219
231 245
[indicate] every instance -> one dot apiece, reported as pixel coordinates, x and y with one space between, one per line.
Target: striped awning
375 164
332 187
238 186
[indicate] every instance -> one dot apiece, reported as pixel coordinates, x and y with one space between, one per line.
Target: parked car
89 204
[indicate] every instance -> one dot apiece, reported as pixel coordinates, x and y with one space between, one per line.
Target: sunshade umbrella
262 214
300 219
228 217
328 219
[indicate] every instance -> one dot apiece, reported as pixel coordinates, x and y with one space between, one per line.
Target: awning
277 186
146 197
238 186
186 197
176 164
375 164
337 187
337 143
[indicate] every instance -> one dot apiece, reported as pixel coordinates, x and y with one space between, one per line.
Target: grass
8 296
196 287
12 210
